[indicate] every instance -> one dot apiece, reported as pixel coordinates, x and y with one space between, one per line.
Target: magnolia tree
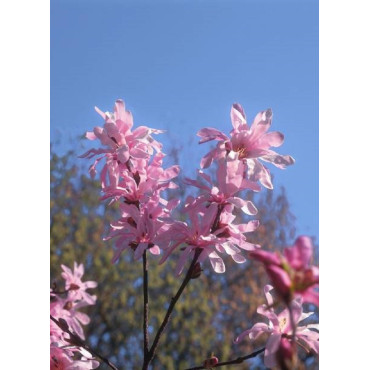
132 175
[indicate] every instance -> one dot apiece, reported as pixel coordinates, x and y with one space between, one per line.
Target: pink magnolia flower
62 351
280 329
292 274
230 181
235 232
62 308
123 148
59 359
248 144
76 288
146 183
206 233
62 359
139 229
197 235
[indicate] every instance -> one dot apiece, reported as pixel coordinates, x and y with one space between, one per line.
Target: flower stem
238 360
146 306
174 300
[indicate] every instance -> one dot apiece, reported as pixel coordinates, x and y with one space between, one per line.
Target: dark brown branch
292 322
294 329
174 300
77 341
238 360
146 306
170 309
220 208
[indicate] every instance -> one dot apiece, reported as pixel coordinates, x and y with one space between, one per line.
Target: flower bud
281 281
210 362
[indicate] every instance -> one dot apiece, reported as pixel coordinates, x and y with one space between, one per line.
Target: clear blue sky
179 65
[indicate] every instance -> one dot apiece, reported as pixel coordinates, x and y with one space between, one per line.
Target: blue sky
179 65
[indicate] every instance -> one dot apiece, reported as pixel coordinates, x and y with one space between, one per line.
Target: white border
344 200
25 138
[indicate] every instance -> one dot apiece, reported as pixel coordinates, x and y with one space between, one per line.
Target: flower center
282 323
242 152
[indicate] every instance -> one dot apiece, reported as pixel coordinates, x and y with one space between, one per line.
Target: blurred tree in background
214 309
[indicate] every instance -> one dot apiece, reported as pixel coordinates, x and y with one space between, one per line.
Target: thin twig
174 300
238 360
170 309
77 341
294 329
146 306
292 323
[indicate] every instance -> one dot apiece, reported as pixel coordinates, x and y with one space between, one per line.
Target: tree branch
77 341
238 360
170 309
146 306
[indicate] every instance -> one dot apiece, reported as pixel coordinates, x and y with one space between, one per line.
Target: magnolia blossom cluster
211 229
247 144
65 307
295 281
133 175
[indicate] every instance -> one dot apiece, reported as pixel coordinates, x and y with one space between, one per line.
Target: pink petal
280 161
123 154
208 134
90 135
267 289
311 296
182 260
310 338
170 173
237 116
208 159
249 208
91 284
261 123
103 115
249 227
272 346
217 263
248 246
205 176
265 257
155 250
247 184
140 250
141 132
257 329
139 153
274 138
304 246
256 171
270 314
238 258
280 280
